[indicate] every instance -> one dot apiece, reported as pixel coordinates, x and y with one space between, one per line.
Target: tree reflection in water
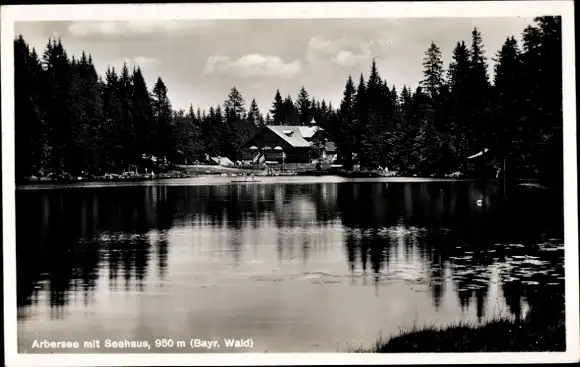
435 233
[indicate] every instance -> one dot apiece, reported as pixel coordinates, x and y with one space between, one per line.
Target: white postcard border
11 14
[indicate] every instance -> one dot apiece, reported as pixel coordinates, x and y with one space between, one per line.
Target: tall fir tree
91 110
372 137
508 83
290 114
129 150
142 114
254 114
277 110
211 133
347 134
109 132
188 136
433 79
29 127
479 93
304 107
162 117
458 105
237 128
361 115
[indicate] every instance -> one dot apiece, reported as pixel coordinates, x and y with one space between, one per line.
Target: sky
201 60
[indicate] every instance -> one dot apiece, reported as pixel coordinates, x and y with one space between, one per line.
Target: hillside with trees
70 119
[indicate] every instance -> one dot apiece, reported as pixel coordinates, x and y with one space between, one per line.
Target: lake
296 265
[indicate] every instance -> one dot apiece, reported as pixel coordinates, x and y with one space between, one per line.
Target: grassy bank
500 335
109 177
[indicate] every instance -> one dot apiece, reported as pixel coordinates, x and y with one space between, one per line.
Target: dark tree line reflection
66 239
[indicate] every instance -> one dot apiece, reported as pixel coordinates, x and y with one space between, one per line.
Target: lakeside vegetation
543 328
69 121
499 335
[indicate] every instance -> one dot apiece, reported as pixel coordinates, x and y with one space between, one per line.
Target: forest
70 119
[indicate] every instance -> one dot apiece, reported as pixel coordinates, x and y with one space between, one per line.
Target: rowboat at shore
246 181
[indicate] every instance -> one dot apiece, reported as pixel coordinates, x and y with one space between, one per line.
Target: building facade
284 144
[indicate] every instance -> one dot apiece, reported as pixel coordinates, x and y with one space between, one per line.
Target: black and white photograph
289 183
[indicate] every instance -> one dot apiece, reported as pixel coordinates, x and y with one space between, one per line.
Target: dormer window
287 132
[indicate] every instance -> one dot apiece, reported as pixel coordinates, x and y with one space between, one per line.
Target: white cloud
131 62
142 61
342 52
253 65
323 46
119 28
346 58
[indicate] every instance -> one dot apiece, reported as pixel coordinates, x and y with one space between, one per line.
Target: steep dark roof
297 136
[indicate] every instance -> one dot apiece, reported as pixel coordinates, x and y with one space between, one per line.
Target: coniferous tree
347 135
394 98
188 137
89 110
162 117
432 72
435 121
57 104
361 114
508 83
372 137
277 110
422 134
406 101
254 114
109 132
129 152
542 81
459 89
220 123
68 119
479 101
74 152
551 152
290 114
29 125
237 128
142 114
211 132
261 120
268 120
304 107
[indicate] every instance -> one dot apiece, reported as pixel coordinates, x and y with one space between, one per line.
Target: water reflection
448 237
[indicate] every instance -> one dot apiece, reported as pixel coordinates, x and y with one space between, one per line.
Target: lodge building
287 144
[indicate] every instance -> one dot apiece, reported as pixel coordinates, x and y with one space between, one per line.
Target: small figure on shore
250 175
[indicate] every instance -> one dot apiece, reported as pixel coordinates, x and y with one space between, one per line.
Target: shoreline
218 179
195 175
502 334
196 171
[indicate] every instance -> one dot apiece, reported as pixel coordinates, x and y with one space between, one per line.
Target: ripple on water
261 278
325 281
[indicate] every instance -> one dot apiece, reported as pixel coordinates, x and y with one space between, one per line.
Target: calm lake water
295 266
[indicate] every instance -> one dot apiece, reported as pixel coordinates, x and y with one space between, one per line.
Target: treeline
458 112
69 119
